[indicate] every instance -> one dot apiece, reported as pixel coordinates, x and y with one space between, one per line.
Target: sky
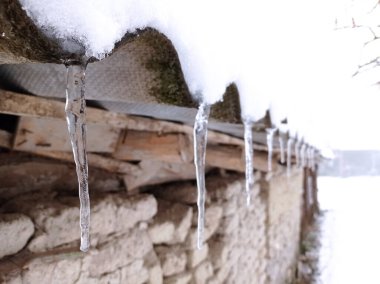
295 58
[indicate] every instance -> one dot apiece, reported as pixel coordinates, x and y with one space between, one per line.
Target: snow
282 55
350 236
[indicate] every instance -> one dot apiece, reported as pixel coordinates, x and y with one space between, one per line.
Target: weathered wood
232 158
24 105
142 145
5 139
47 134
225 157
155 172
136 146
146 139
94 160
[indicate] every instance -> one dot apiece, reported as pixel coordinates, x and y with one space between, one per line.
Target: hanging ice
281 140
200 143
289 156
248 143
270 133
297 148
75 115
311 158
303 155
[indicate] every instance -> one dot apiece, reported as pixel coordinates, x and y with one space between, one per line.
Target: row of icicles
75 115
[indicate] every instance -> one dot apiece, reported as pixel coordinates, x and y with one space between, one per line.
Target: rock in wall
151 237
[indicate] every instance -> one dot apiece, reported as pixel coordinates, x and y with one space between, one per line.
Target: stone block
228 225
171 224
15 231
152 263
183 278
10 272
52 270
219 252
196 256
230 206
222 273
118 252
111 278
224 188
213 216
173 259
57 220
203 272
117 213
184 192
134 273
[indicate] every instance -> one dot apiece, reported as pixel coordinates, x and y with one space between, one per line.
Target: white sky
283 55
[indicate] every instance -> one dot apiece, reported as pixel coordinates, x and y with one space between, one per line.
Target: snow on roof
282 55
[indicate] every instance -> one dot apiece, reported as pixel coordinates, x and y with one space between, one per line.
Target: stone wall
150 237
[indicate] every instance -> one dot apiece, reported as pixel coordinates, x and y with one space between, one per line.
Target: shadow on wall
352 163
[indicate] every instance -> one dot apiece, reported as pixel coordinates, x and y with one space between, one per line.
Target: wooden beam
96 161
155 172
146 139
177 148
142 145
232 158
25 105
48 134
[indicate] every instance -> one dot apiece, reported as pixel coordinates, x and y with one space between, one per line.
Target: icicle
303 155
289 156
270 133
281 140
200 142
311 158
75 115
297 152
249 177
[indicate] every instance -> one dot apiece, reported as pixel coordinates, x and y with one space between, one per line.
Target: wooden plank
25 105
232 158
177 148
95 160
47 134
155 172
5 139
225 157
142 145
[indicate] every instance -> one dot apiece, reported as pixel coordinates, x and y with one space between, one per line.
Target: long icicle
75 115
200 143
281 140
289 157
311 158
303 155
248 143
297 152
270 133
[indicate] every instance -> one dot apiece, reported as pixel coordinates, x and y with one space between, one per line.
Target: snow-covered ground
350 234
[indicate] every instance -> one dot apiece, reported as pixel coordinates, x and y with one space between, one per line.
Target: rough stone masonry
150 237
